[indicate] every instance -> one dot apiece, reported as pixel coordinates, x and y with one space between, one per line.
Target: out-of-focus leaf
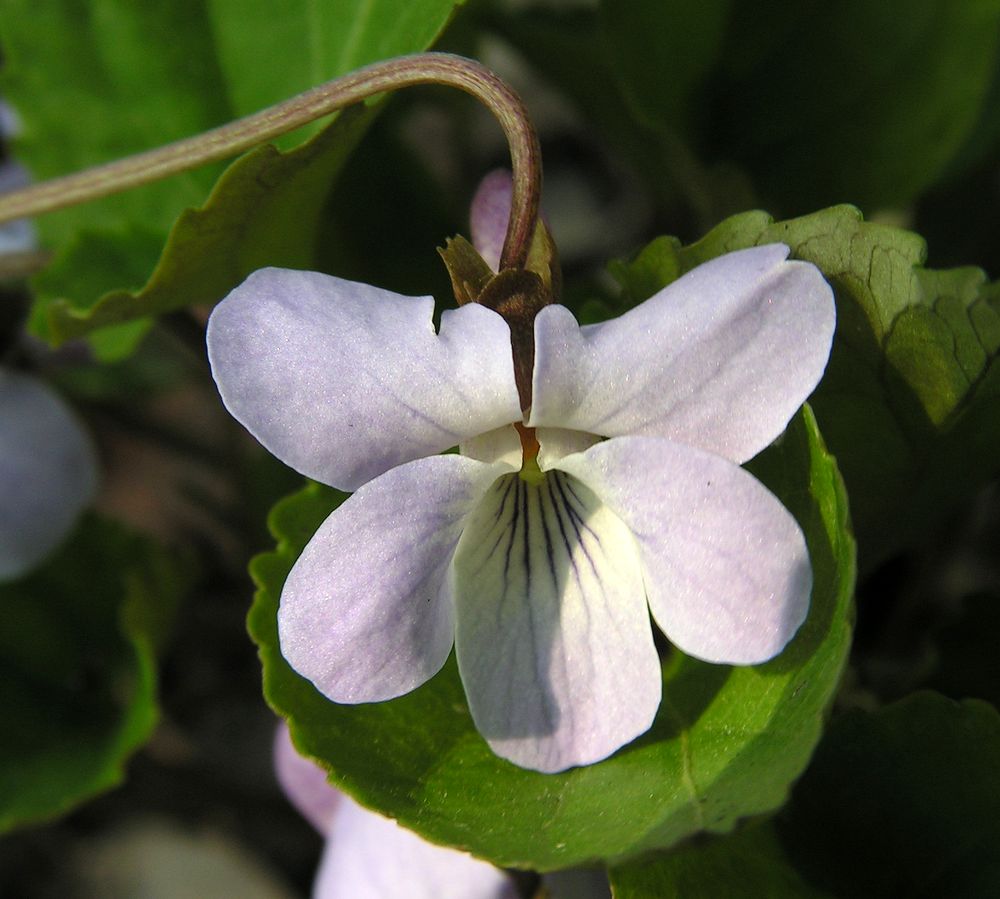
798 104
904 801
854 101
727 742
662 52
580 51
967 663
910 403
77 669
750 864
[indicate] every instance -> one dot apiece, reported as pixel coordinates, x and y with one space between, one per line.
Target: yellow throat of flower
530 470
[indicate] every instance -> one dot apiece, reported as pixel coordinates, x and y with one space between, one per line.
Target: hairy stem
243 134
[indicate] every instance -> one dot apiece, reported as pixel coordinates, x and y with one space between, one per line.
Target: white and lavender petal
343 381
304 782
553 638
554 443
499 445
371 857
368 856
366 611
48 472
720 359
725 565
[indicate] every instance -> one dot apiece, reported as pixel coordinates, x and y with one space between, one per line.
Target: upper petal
342 381
725 565
552 634
48 472
366 611
371 857
720 359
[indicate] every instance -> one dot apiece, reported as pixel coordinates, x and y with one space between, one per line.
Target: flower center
530 471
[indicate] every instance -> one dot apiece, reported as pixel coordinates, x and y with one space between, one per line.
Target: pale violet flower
48 469
48 472
367 856
19 235
544 584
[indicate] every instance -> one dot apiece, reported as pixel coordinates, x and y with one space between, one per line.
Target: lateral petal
720 359
553 639
343 381
48 472
366 611
725 565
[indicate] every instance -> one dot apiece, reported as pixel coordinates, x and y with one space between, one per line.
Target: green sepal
468 270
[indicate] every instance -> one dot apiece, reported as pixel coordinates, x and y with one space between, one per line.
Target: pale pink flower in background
370 857
48 472
48 467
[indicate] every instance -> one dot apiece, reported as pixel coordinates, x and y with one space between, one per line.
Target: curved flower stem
243 134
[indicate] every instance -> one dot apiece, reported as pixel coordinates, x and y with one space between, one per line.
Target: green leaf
92 257
967 663
98 80
140 76
854 101
77 669
310 42
641 34
750 864
726 743
910 403
264 210
904 801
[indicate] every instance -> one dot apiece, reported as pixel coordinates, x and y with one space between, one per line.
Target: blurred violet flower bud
48 472
18 236
48 468
489 214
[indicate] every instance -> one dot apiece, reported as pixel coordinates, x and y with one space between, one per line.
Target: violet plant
569 590
535 549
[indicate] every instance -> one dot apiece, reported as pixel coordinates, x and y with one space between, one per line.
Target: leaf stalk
243 134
